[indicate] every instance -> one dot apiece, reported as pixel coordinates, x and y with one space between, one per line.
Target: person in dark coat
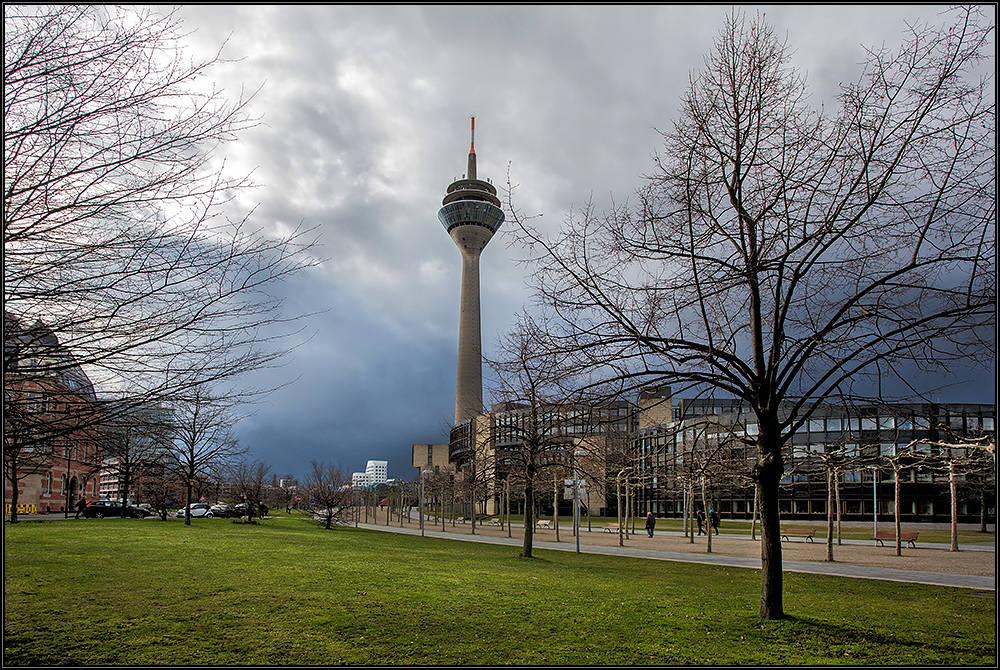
714 516
650 524
81 505
700 518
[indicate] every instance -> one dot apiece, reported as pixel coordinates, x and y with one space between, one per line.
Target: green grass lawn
147 592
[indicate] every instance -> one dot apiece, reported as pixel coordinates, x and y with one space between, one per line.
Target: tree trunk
952 486
692 511
555 505
126 484
684 510
12 467
982 506
768 471
753 522
621 524
831 481
897 508
187 509
529 520
836 492
708 518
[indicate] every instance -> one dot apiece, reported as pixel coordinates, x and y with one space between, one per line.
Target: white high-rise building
376 471
374 474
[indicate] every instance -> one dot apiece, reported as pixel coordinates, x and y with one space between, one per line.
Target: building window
62 484
48 483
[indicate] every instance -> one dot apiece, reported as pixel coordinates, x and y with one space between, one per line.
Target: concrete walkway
977 582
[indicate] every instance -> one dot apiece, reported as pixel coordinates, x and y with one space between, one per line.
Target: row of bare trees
785 256
116 245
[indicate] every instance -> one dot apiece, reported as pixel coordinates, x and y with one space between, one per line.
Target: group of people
713 518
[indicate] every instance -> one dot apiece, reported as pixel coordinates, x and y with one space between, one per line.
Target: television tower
471 214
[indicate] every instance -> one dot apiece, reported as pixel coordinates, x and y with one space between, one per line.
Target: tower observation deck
471 214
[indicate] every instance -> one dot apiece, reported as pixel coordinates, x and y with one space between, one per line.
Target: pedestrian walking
650 523
700 518
81 505
714 516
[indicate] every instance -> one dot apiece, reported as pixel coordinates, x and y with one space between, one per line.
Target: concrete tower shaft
471 214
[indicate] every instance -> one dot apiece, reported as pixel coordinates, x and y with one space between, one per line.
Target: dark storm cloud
365 123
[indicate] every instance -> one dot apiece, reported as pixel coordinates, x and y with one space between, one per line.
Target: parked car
240 510
197 510
98 509
222 510
146 508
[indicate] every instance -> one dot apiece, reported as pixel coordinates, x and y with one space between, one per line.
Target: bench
460 519
908 536
491 522
798 532
544 523
612 528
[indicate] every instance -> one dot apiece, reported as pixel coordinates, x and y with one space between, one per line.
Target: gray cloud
365 123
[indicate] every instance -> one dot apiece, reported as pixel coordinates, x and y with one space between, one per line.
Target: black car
98 509
222 510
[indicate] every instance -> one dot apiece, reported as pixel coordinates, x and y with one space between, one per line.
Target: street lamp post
422 473
875 498
576 499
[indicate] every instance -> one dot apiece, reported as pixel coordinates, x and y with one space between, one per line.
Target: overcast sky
365 116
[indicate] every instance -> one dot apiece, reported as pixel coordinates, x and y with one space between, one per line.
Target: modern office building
375 473
864 447
471 214
431 457
663 448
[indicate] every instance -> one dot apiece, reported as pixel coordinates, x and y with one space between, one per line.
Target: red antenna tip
472 145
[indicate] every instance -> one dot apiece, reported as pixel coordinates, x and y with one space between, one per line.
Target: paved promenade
973 567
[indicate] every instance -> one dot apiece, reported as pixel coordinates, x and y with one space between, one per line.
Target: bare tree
249 480
544 418
781 255
134 439
325 485
162 489
962 457
114 185
203 439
